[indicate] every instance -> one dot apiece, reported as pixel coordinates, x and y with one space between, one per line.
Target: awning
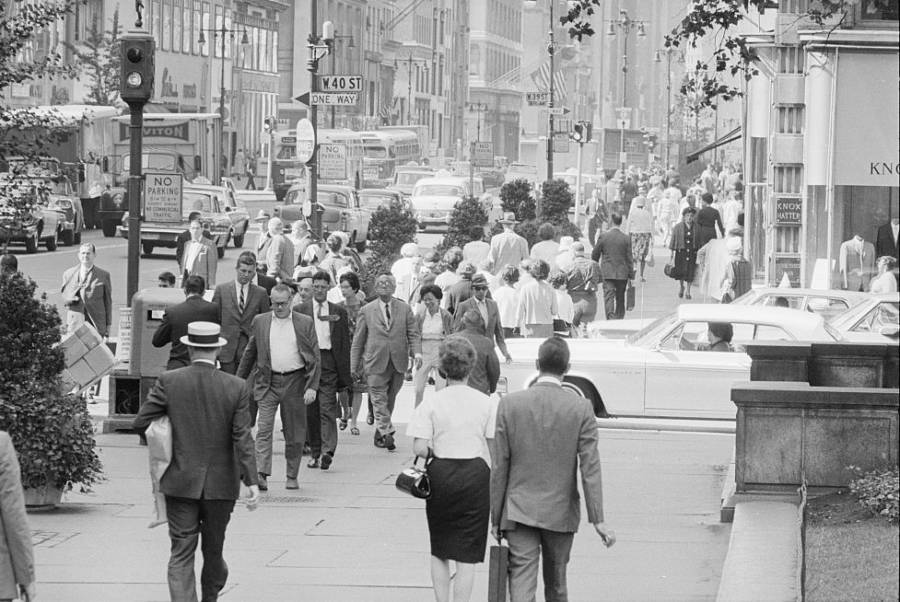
731 136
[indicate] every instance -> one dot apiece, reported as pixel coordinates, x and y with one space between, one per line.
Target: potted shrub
51 430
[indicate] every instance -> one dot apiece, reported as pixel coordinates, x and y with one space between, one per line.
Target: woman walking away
435 323
684 251
537 303
640 226
451 428
709 221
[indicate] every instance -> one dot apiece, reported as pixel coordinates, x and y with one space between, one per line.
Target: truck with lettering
176 143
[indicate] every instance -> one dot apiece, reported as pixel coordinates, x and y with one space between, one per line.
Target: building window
274 37
155 19
791 59
177 26
874 11
217 42
204 49
166 43
787 179
187 26
789 119
196 23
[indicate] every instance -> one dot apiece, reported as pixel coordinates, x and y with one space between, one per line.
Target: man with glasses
489 311
333 333
284 349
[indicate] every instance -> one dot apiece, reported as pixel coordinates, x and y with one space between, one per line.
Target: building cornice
888 38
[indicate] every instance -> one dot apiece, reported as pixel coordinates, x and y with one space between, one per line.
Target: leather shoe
389 443
327 459
313 463
370 418
291 483
379 440
263 484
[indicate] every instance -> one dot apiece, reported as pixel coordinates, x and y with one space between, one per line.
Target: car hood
432 203
616 329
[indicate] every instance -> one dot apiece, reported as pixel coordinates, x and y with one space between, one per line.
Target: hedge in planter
389 229
52 431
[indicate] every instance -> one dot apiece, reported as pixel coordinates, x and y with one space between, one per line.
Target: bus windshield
375 151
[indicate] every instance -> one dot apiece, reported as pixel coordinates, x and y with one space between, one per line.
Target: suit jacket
376 346
486 371
856 264
212 450
507 248
493 328
175 324
279 258
204 265
235 323
182 239
340 338
885 243
613 251
257 352
267 282
543 435
95 295
16 552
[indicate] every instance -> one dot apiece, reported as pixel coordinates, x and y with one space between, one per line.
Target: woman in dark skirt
451 427
684 245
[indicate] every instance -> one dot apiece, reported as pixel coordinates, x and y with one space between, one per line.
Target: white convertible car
658 371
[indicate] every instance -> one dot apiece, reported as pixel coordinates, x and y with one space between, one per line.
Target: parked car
660 371
405 178
433 200
44 223
219 215
373 198
343 211
875 320
64 199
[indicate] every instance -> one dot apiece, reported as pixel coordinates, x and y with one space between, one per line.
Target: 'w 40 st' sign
340 83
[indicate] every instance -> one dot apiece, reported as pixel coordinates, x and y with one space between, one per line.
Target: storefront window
166 43
177 26
879 10
204 48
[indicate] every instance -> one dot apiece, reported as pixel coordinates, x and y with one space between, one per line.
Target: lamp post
221 32
627 25
350 45
550 51
319 47
657 58
410 61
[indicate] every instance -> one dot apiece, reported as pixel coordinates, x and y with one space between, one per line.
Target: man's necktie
241 300
387 312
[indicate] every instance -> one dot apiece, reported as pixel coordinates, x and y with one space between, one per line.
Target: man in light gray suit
386 337
543 434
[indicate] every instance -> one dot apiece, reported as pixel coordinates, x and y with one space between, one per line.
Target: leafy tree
467 214
517 197
389 229
99 54
556 200
719 18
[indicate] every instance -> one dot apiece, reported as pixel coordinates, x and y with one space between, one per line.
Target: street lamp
221 32
410 61
627 25
350 46
668 50
319 47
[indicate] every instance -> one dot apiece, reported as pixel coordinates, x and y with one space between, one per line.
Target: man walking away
613 252
177 318
507 248
285 352
212 454
543 435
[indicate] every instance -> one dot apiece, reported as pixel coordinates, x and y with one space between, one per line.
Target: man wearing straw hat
212 452
507 248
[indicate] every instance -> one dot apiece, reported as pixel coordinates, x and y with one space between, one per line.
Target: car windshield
196 201
650 334
373 201
438 190
408 179
334 199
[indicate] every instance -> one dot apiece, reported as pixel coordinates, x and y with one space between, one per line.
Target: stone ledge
784 394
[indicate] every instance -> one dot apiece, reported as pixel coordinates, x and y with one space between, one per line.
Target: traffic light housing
270 124
137 68
577 132
588 131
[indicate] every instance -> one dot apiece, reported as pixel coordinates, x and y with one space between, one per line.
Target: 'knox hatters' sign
169 130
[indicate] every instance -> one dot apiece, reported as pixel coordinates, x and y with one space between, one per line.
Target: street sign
561 142
304 98
483 154
340 83
333 98
559 111
537 99
162 197
306 140
478 107
332 161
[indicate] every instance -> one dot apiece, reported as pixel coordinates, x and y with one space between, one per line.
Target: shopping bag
498 570
159 446
629 297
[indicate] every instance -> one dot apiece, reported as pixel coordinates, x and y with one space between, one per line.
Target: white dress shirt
190 256
283 346
457 420
432 326
323 327
507 300
482 308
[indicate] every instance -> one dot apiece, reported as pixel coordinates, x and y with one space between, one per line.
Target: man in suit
613 252
285 352
333 333
212 452
200 258
507 247
175 321
486 370
543 435
489 311
87 293
279 252
386 337
238 302
185 236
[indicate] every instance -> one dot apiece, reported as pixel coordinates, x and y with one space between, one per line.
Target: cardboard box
101 360
88 335
81 373
73 349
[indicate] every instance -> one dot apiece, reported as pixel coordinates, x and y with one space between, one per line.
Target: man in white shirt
507 248
730 212
284 349
200 256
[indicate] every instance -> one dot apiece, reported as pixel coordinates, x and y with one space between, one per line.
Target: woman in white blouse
435 323
452 428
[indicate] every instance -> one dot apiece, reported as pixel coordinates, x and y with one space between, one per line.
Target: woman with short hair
684 246
351 399
537 303
451 428
884 282
434 324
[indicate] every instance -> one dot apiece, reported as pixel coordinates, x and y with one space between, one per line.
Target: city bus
385 151
340 160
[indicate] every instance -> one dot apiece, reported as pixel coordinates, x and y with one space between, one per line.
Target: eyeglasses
321 287
280 303
479 288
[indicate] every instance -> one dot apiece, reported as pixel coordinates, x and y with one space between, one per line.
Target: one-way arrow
559 111
304 98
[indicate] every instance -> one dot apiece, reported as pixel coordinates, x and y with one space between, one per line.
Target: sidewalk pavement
349 536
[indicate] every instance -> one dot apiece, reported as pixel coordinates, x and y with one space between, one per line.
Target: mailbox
148 307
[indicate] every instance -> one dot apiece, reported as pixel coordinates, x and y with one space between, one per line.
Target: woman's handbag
498 572
415 481
672 272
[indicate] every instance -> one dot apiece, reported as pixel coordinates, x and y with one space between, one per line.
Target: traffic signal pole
578 184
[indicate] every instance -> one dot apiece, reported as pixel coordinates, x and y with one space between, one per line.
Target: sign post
162 197
306 140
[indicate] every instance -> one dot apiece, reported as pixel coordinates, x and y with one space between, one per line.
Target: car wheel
584 388
239 238
52 242
220 252
147 248
31 244
109 228
361 246
77 239
67 238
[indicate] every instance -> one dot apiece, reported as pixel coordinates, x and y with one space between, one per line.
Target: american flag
541 78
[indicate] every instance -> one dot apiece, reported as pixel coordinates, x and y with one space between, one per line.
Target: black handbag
672 272
415 481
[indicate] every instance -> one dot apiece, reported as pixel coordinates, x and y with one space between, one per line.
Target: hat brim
185 341
507 221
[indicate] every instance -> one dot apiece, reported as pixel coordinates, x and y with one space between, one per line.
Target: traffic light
652 142
646 136
136 79
577 132
269 124
588 131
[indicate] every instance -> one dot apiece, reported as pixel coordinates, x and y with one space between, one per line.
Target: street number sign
333 98
340 83
306 140
537 99
483 154
162 197
332 161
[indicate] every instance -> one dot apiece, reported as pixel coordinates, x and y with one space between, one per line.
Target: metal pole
550 51
409 90
668 100
223 144
135 127
271 161
333 71
622 161
578 184
311 166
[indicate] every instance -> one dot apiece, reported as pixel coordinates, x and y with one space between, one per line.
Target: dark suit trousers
527 546
286 395
321 415
189 520
614 298
383 390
